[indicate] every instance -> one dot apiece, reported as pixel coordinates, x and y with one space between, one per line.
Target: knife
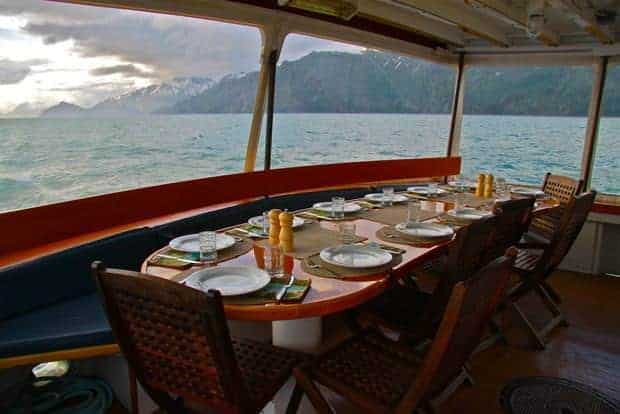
285 288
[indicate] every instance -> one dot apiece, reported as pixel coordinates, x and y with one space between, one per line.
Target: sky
53 52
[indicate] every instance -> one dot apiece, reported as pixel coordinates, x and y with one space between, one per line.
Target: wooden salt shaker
480 185
488 186
274 227
286 231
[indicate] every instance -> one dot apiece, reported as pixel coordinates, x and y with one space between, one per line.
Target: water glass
273 261
459 202
265 222
337 207
414 209
347 232
433 188
388 196
208 246
501 189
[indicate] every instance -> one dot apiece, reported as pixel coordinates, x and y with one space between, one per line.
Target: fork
285 288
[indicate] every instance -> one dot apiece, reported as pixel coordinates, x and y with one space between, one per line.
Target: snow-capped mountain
151 98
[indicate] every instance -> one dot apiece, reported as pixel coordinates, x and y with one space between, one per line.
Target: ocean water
49 160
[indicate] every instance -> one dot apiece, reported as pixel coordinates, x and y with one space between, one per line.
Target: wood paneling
46 224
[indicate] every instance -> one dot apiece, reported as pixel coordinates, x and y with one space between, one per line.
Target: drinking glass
347 232
413 213
388 196
265 222
208 246
337 207
273 261
459 201
433 188
501 189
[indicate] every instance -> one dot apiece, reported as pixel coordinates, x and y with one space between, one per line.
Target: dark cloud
127 70
170 45
14 72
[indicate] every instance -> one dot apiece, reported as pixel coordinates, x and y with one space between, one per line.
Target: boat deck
588 351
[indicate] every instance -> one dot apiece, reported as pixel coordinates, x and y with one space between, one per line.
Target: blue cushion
66 275
71 324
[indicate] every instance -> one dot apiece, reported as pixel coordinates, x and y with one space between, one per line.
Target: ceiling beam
515 17
412 20
452 13
584 18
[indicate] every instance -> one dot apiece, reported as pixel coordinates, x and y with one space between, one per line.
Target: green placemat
295 293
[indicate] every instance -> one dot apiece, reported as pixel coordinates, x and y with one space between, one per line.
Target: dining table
298 324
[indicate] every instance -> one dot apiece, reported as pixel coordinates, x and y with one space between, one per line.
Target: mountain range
339 82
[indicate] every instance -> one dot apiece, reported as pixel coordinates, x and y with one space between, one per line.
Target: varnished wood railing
39 226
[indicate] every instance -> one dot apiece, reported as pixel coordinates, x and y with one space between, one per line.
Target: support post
594 117
454 139
272 42
271 92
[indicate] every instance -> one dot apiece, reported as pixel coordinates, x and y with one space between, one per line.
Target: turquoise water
49 160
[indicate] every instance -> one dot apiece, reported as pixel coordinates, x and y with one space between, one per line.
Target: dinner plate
357 257
429 231
378 198
326 207
257 221
191 243
462 184
229 280
469 214
425 190
530 192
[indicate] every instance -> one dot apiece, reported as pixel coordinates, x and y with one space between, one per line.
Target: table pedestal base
298 334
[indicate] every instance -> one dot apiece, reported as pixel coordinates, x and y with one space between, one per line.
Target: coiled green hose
64 395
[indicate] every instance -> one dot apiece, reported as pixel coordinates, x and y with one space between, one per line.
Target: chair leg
314 395
551 304
554 295
293 403
529 328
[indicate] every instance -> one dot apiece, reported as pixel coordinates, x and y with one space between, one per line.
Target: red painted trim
606 208
47 224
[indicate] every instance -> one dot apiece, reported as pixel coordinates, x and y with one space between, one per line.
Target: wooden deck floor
588 351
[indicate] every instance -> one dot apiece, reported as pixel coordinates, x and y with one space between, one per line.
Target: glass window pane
340 103
606 173
96 100
521 123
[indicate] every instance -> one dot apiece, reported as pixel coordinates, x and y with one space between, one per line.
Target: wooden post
594 117
271 92
454 139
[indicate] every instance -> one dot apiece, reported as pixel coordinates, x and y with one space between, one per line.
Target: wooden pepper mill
488 186
286 231
274 227
480 185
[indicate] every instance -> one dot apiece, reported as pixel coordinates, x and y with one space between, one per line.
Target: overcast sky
52 52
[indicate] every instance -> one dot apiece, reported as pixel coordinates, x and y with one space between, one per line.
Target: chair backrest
467 255
562 189
469 311
513 219
573 218
175 338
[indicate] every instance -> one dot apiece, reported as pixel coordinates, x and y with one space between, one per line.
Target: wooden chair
176 340
513 219
560 188
535 263
415 314
379 375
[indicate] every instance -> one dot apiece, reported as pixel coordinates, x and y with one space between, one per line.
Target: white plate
257 221
191 243
530 192
463 184
469 213
229 280
425 230
357 257
378 198
424 190
326 207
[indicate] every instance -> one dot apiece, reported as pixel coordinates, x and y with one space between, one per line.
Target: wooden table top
326 295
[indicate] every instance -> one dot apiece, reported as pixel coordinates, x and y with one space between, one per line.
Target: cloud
12 72
128 70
